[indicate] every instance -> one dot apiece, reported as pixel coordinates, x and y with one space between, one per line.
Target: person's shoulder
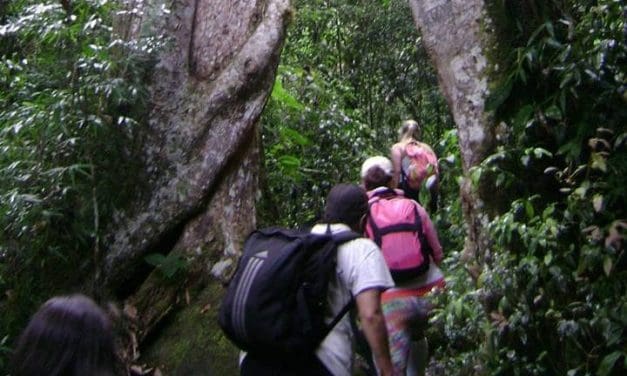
362 241
425 146
399 145
359 247
362 250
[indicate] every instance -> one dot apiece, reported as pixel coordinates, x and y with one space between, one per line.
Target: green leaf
475 175
529 209
294 136
154 259
284 97
289 161
539 152
499 180
548 258
598 162
498 96
570 150
457 306
168 265
607 364
597 202
523 116
582 190
548 212
607 265
537 32
553 112
171 265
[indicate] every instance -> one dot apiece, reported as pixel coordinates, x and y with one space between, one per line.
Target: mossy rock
191 343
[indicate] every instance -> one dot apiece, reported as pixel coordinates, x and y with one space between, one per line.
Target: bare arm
396 154
431 235
373 324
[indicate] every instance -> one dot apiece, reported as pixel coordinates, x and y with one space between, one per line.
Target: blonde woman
414 164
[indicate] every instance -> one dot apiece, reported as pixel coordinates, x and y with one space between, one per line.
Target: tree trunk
202 163
454 36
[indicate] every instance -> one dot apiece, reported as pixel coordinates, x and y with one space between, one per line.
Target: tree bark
209 90
201 153
454 35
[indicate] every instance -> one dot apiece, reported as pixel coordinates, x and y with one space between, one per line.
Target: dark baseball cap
346 203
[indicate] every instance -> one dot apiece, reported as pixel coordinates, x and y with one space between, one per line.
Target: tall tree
201 156
455 38
537 92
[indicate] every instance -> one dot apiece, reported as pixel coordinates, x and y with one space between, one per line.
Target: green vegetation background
548 298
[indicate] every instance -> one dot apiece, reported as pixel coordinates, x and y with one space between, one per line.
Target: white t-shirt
360 267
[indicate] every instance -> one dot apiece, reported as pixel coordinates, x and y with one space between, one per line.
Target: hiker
69 336
409 242
360 272
414 163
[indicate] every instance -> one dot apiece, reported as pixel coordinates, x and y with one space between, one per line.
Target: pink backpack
395 225
420 162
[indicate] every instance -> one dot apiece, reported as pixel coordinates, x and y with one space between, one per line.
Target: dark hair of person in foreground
346 203
67 336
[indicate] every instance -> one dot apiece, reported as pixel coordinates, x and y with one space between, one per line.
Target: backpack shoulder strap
384 194
345 236
340 238
339 316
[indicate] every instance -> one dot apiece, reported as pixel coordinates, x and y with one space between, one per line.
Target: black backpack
275 303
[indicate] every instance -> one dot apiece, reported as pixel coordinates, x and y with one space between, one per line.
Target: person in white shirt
361 273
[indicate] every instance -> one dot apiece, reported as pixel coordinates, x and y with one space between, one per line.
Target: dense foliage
350 73
71 94
551 299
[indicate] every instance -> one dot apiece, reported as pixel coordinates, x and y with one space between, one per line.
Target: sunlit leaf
529 209
475 175
284 97
598 162
289 161
294 136
607 265
597 202
539 152
548 258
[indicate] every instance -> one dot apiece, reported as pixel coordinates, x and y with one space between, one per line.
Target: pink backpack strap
379 232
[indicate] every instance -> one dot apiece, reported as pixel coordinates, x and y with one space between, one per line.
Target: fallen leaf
204 309
130 311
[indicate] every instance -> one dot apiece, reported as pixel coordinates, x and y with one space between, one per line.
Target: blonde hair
410 129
